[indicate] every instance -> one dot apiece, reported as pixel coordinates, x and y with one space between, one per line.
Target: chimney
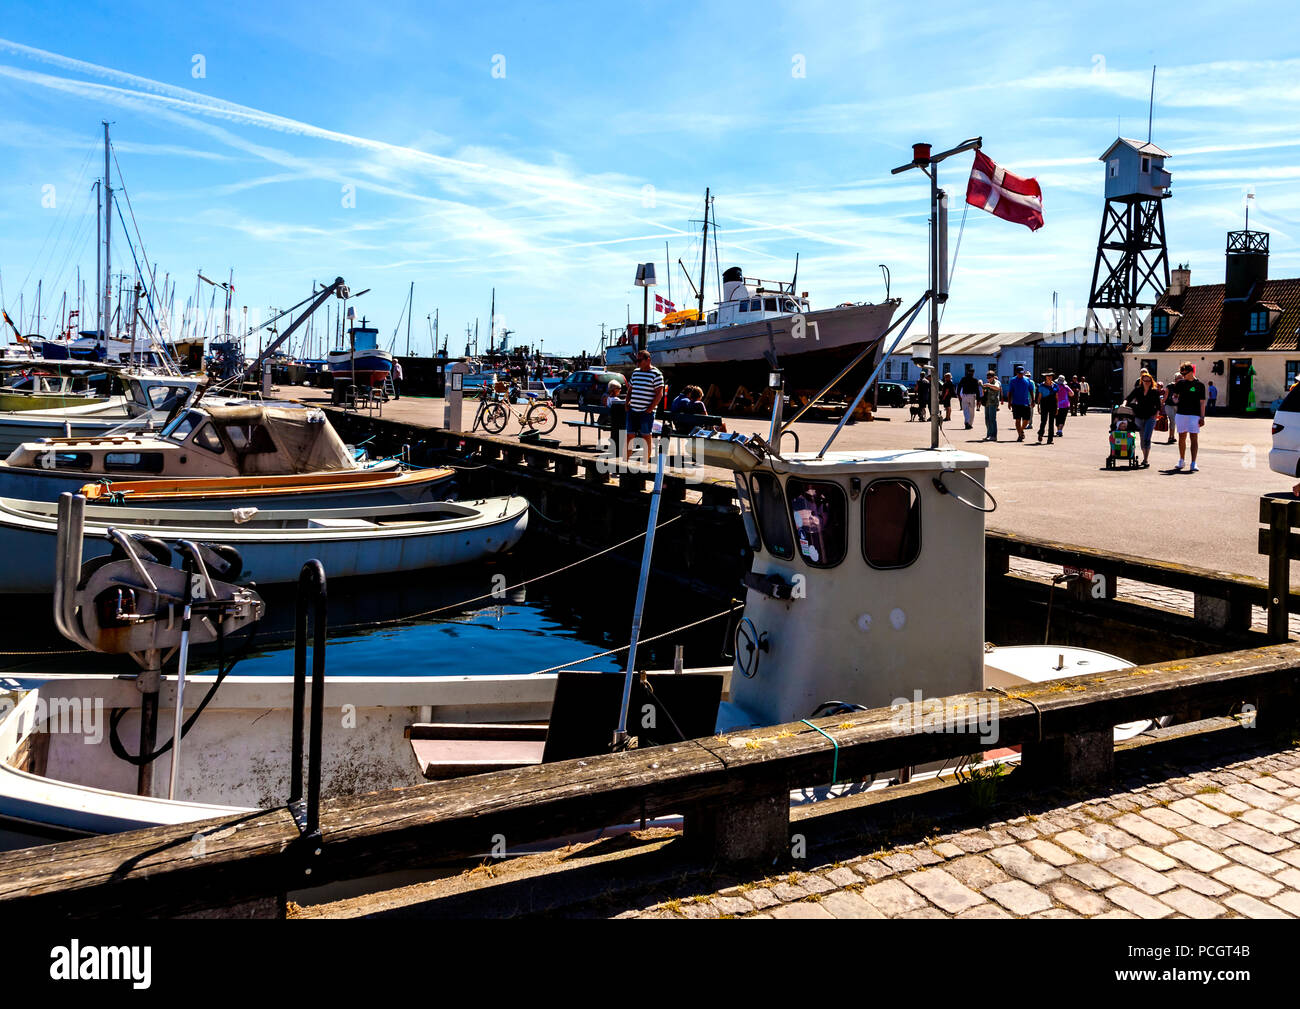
1247 264
1180 279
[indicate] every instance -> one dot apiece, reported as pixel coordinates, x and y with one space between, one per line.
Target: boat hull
732 356
369 367
274 543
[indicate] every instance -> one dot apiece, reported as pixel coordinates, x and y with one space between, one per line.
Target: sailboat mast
108 242
704 253
492 322
410 310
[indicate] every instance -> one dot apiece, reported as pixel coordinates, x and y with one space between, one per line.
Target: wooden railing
733 791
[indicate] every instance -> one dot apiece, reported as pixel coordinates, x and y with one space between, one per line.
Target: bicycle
494 414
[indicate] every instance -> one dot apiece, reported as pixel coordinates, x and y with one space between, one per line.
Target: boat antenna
795 279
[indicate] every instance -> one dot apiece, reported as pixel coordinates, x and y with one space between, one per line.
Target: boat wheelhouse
362 362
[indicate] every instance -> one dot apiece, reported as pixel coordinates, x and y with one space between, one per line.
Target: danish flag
1010 197
663 305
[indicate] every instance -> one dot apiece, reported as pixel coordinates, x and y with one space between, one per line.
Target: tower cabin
1135 171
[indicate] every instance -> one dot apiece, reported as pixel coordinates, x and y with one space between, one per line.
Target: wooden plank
244 857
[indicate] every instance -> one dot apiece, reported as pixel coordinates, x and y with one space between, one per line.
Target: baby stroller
1123 438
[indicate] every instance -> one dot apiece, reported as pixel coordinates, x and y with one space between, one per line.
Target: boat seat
583 718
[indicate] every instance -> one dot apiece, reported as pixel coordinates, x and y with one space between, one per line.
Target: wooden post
1276 543
1082 758
752 829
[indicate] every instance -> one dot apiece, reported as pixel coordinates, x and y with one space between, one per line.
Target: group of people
640 399
1056 399
1182 403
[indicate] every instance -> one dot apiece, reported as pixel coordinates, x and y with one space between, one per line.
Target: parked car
1284 457
585 387
891 394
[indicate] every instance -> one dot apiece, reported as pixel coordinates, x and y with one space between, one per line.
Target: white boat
275 542
145 393
213 438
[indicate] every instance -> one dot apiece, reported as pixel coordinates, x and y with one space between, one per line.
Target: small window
756 305
903 371
889 368
744 306
1159 325
769 305
769 508
1259 322
788 305
747 512
1112 168
819 510
66 460
1292 373
1146 164
713 317
134 462
207 437
891 523
250 439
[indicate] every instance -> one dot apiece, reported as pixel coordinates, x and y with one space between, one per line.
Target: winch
134 602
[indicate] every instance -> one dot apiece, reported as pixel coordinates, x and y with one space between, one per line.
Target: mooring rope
499 593
642 641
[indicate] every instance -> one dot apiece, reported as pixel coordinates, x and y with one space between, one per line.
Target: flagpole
929 163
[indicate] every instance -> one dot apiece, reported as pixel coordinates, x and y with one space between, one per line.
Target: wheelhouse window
713 317
769 509
756 305
769 305
747 512
179 429
744 306
788 305
819 510
891 523
206 437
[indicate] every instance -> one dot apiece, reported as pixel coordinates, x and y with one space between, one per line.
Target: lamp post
645 279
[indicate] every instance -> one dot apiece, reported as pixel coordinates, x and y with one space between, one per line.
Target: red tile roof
1201 321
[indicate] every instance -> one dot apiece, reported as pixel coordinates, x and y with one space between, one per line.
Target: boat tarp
281 439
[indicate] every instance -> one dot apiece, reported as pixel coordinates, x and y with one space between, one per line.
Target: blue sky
592 142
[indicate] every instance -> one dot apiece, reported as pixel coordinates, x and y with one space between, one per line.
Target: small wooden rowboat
329 489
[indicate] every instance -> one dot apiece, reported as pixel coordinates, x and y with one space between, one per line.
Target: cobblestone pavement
1222 842
1154 595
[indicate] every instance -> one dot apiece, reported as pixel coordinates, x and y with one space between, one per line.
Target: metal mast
108 244
704 254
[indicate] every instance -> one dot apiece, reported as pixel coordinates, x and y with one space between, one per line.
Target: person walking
992 400
1085 394
1064 397
969 391
1074 395
1212 394
923 396
1171 409
1189 393
1020 390
397 379
946 392
1145 400
1047 407
644 391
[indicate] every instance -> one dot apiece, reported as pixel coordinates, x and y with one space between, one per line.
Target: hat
1020 367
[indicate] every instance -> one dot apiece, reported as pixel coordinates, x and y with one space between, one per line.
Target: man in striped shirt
644 391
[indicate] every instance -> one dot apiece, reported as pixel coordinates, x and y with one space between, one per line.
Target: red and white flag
1010 197
663 305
